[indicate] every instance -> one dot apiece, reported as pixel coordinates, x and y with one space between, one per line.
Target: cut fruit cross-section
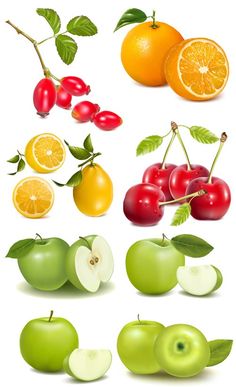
33 197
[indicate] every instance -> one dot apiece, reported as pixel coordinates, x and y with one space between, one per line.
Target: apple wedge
89 262
87 364
199 280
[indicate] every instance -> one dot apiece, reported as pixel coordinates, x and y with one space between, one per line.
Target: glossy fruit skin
181 177
107 120
151 265
141 204
63 98
44 266
44 344
135 346
75 86
144 51
159 176
214 204
182 350
94 195
44 97
85 111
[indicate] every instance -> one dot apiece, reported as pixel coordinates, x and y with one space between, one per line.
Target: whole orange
144 51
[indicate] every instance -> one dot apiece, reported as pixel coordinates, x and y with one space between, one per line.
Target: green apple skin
44 267
135 346
44 344
151 265
219 279
70 260
182 350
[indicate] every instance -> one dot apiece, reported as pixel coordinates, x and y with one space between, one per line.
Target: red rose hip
63 98
107 120
85 111
75 86
44 96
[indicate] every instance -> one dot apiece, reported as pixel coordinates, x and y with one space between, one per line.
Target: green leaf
203 135
220 350
133 15
149 144
21 165
72 182
52 18
181 214
88 144
81 26
191 245
14 159
66 48
20 248
78 153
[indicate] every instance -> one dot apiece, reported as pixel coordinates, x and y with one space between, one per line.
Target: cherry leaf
203 135
149 144
181 214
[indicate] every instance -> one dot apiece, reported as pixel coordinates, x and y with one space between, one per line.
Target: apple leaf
52 18
149 144
14 159
78 153
133 15
66 48
181 214
203 135
72 182
220 350
81 26
20 248
88 144
191 245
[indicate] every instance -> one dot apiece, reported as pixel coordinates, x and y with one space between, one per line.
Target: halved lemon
45 153
197 69
33 197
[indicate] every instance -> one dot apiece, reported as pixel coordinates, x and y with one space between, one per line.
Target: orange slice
33 197
45 153
197 69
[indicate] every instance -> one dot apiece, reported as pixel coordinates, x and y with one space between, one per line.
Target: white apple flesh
199 280
87 364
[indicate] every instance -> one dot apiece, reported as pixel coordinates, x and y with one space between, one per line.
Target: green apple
151 265
87 364
199 280
89 262
45 342
135 346
182 350
44 267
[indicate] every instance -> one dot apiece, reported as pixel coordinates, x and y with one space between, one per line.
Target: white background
99 318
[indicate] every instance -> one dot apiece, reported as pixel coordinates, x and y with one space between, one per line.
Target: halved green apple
89 262
87 364
199 280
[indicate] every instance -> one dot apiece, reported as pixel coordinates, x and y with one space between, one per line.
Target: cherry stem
50 317
185 151
167 150
222 141
90 159
192 195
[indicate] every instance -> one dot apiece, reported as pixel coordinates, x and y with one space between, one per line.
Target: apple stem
192 195
167 150
87 243
163 239
50 317
138 319
222 141
174 127
39 236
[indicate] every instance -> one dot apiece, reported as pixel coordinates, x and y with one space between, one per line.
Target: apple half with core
46 341
87 365
135 346
199 280
89 263
151 265
182 350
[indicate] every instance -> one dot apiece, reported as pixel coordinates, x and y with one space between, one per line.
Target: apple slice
87 364
89 262
199 280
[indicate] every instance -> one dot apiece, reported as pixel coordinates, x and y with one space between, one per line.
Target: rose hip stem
223 138
192 195
175 129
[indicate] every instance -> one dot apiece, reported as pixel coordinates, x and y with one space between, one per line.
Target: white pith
91 273
197 280
88 365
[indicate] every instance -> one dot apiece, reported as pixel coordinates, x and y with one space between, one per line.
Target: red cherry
181 177
215 203
85 111
44 96
106 120
63 98
75 86
141 204
157 175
